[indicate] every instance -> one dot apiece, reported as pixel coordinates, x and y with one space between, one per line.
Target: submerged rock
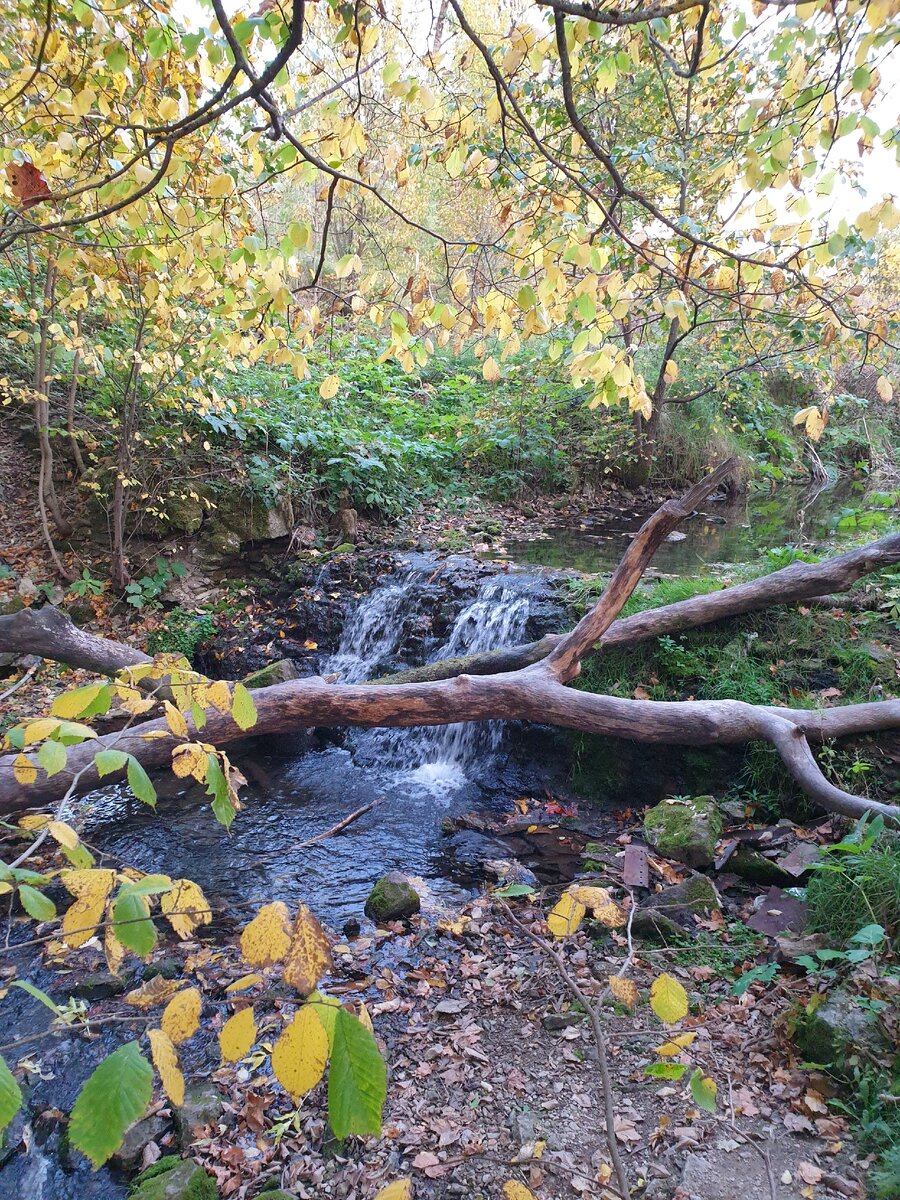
685 830
393 898
170 1179
99 985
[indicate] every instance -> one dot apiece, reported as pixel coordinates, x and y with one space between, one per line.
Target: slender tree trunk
119 502
46 491
70 404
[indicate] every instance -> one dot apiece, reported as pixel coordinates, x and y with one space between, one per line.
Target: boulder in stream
685 830
203 1106
393 898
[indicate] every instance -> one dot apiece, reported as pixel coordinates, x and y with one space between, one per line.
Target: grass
856 890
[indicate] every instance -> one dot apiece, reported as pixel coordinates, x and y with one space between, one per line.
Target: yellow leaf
190 759
815 424
670 373
668 999
245 981
155 991
175 720
624 990
72 704
185 907
309 957
329 387
63 833
267 938
36 731
91 890
24 770
300 1054
112 947
165 1059
33 821
674 1046
237 1035
565 916
513 1190
220 186
604 908
365 1017
884 388
181 1017
491 370
400 1189
219 695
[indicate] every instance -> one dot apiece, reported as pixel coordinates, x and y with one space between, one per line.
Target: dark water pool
721 532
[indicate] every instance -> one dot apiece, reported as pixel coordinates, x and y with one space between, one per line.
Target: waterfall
435 758
374 632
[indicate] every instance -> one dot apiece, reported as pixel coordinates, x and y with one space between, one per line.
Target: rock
277 1194
695 895
185 513
169 968
509 870
556 1021
202 1106
685 830
650 923
128 1155
393 898
884 661
98 985
239 518
522 1127
838 1027
277 672
788 949
749 864
776 911
739 1174
175 1181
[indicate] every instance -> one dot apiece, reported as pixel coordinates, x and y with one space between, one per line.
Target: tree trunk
535 692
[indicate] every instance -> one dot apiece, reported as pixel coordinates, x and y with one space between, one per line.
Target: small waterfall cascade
375 630
434 758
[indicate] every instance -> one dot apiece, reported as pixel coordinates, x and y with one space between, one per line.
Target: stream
420 777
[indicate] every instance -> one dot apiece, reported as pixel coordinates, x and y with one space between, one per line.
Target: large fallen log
536 692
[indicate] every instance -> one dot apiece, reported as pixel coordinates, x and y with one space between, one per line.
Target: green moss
175 1180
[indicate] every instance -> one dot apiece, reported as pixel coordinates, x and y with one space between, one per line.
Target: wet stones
685 830
393 898
202 1107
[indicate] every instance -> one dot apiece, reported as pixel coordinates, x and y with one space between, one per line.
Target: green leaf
326 1010
79 856
116 56
108 761
869 935
10 1095
703 1090
36 904
243 710
37 993
137 932
217 787
666 1070
139 782
115 1096
514 889
52 757
150 885
357 1080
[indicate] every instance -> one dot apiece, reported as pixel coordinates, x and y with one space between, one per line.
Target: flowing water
417 776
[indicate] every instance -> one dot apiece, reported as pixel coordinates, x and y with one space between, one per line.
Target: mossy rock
239 518
277 672
181 1181
749 864
685 830
185 513
393 898
696 896
837 1028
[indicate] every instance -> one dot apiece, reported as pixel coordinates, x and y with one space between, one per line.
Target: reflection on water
719 533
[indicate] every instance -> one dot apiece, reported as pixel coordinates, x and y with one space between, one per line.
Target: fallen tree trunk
536 692
50 633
